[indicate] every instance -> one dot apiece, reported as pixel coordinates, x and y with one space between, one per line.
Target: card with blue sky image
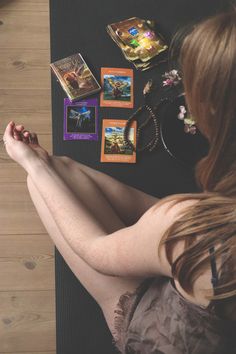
81 119
118 87
113 146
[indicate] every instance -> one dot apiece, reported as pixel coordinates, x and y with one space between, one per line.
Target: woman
163 272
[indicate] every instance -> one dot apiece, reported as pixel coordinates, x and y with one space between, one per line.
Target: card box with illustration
118 88
75 77
140 41
81 119
113 147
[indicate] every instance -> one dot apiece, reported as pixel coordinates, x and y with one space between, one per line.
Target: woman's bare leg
106 290
128 202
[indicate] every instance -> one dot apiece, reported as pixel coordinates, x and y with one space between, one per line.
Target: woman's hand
23 146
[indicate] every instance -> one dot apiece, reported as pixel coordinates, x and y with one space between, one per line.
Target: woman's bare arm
131 251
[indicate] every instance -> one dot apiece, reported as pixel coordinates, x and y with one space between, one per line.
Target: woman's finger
34 138
18 131
26 139
26 135
8 134
17 134
19 127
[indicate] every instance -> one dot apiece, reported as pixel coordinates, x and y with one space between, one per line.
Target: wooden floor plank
24 5
51 352
28 265
27 287
19 274
10 172
27 321
29 272
29 30
17 212
27 66
25 100
25 246
44 140
39 122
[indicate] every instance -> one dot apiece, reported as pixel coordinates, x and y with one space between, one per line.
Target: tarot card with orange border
113 147
118 87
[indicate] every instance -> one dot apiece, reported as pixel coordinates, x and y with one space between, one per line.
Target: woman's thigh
129 203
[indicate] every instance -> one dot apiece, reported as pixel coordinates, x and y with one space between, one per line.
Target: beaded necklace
145 107
152 117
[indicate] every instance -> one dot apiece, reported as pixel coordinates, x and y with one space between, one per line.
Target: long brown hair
208 65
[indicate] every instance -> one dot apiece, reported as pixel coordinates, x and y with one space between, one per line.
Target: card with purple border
81 119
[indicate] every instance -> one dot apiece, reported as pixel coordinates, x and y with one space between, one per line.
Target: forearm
77 225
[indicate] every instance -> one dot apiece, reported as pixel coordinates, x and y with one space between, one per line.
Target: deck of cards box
75 77
139 41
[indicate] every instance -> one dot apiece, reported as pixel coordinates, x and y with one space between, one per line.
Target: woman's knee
65 160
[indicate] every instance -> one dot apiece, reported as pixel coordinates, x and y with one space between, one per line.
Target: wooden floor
27 299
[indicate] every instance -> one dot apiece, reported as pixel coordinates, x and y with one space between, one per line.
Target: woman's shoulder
173 207
180 201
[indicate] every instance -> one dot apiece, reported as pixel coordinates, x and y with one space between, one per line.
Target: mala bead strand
156 126
127 127
144 124
154 141
152 144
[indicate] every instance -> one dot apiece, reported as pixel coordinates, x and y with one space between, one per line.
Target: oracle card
113 147
81 119
118 88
